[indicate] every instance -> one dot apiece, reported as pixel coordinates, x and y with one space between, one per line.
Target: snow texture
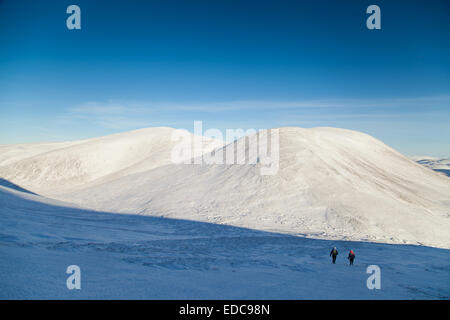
435 163
331 184
140 226
141 257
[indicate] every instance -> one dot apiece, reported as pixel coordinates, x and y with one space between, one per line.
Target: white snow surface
433 162
332 184
142 257
52 167
441 165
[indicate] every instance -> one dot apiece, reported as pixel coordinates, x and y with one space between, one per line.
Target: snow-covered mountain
434 163
331 183
52 167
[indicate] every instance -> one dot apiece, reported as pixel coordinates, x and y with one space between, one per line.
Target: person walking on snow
334 254
351 257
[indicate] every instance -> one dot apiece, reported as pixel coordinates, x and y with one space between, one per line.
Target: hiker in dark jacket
334 254
351 257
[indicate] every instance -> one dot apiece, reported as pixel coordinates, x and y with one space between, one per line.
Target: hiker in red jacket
351 257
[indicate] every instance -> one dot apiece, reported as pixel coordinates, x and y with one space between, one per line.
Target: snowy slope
434 163
141 257
45 168
15 152
332 183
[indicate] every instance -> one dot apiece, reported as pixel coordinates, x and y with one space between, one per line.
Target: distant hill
331 183
437 164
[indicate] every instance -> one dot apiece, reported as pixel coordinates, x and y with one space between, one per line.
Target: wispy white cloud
109 108
430 101
125 115
110 114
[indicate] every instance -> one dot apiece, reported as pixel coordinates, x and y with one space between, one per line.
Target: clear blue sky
232 64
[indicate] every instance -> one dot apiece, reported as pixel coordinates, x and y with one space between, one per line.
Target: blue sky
231 64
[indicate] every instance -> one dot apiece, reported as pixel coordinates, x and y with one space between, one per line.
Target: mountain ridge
332 183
